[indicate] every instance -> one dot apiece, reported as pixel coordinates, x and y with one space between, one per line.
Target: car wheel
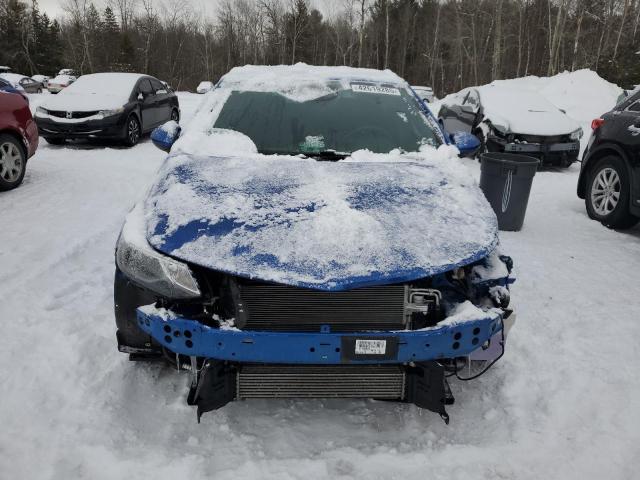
132 131
13 161
175 115
39 90
608 191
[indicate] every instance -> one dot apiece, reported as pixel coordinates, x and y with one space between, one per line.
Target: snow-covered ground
564 402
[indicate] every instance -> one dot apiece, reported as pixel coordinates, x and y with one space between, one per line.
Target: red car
18 139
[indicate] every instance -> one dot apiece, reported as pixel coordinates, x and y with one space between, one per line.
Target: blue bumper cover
190 337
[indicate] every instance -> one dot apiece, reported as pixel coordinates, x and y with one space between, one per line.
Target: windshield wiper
324 155
327 155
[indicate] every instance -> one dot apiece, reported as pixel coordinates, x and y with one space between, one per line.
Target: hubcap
605 191
10 162
134 131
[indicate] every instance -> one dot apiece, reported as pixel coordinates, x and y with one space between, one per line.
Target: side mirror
166 135
140 96
467 143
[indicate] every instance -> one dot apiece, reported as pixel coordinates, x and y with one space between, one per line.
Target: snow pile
583 94
322 224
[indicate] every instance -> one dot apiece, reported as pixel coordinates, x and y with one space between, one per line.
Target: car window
145 87
634 107
346 120
472 99
157 85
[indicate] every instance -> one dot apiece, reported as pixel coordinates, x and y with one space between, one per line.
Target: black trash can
505 179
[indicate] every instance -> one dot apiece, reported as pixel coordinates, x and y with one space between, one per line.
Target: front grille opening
284 308
321 381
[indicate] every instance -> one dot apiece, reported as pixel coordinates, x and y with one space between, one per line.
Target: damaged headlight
577 135
153 270
40 111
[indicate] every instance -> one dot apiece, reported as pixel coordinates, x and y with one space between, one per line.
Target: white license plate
371 347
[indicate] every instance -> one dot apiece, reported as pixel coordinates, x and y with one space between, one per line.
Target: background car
68 71
28 84
204 87
4 69
60 82
513 120
121 106
8 87
43 79
425 93
18 139
609 180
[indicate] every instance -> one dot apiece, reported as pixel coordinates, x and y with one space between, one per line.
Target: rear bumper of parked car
111 127
191 338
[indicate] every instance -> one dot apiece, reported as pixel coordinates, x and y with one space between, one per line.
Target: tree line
447 44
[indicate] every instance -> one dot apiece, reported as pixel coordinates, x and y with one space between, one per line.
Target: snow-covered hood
323 225
83 102
524 112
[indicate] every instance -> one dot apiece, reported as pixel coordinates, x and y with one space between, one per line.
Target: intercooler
285 308
321 381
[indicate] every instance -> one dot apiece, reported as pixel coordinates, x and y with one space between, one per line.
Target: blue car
313 234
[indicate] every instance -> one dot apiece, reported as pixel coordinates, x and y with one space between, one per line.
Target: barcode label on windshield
358 87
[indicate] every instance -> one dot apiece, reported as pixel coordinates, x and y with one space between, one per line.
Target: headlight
110 113
577 135
41 111
143 265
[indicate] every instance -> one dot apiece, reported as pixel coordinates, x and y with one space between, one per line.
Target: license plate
371 347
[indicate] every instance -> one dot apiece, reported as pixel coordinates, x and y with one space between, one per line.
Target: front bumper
570 148
191 338
105 128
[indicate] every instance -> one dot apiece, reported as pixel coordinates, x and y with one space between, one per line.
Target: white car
512 120
205 86
425 93
60 82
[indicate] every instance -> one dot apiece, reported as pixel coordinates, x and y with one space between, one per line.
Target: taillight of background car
596 123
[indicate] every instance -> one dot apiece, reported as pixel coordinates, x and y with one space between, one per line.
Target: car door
163 101
147 101
628 126
459 114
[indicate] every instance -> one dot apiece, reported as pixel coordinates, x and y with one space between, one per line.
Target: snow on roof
301 82
12 77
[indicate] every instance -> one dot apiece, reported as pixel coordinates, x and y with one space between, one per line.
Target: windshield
364 116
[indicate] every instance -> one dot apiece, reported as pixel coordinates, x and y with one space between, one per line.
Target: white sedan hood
524 112
83 102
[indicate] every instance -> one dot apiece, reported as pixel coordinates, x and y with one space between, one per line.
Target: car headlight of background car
110 113
41 111
142 264
577 134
